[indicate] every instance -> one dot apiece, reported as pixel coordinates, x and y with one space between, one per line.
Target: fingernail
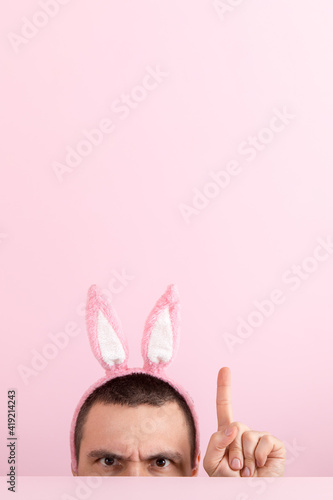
235 464
246 472
229 431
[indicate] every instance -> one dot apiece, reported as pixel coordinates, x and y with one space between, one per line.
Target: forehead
148 428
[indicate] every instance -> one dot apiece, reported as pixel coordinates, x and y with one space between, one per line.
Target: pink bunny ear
104 331
161 333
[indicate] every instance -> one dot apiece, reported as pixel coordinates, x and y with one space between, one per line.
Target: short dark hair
133 390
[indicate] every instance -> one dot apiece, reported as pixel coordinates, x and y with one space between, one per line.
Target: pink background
118 210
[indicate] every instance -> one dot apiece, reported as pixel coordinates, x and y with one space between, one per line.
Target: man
139 425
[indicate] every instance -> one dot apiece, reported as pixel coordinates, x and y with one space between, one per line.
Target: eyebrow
172 455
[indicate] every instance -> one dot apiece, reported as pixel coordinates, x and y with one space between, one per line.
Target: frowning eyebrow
172 455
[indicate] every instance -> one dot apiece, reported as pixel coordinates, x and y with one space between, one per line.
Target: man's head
135 424
137 415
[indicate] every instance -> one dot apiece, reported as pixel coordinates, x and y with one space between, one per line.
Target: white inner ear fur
111 348
160 345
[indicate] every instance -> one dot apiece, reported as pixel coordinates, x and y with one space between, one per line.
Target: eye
107 461
162 462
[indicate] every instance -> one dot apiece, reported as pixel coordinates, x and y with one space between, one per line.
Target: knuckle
249 460
249 438
216 440
267 438
240 426
235 449
216 436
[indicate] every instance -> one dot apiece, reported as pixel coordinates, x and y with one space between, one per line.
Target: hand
235 450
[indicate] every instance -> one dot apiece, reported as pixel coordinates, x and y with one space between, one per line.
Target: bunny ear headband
158 347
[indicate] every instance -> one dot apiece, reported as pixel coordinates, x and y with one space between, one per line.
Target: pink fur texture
95 306
158 347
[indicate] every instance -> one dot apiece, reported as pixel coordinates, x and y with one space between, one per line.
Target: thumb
217 447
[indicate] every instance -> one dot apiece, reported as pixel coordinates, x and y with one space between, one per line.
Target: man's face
135 441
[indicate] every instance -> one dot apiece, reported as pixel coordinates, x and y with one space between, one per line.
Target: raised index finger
223 398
